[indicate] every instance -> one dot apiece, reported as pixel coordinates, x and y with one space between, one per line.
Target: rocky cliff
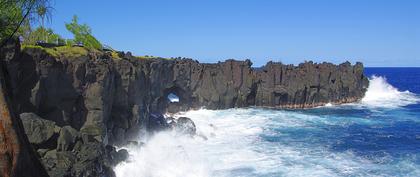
100 98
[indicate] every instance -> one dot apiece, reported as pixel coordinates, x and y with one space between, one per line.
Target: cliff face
109 100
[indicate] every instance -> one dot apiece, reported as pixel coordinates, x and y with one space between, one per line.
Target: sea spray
330 141
382 94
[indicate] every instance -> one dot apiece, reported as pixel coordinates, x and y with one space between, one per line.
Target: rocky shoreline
75 110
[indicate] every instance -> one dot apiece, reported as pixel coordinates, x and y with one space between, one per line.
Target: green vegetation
115 55
17 18
16 13
60 52
10 16
69 52
41 34
83 34
44 13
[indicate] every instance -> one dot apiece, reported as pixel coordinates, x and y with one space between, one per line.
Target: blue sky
376 32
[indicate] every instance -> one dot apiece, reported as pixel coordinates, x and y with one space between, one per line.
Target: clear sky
376 32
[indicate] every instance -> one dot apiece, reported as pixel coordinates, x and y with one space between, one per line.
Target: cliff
109 99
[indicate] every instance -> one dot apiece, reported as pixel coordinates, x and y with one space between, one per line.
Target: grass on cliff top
75 52
146 57
61 51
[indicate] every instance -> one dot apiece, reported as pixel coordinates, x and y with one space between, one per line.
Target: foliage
115 55
42 34
83 34
43 12
59 52
10 15
15 13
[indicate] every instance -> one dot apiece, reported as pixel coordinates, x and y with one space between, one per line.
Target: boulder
38 130
115 156
185 125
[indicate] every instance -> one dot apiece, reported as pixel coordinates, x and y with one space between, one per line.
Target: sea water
379 136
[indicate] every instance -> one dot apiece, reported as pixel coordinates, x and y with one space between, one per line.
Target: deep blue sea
379 136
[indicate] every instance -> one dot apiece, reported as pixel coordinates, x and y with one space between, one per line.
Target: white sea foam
230 143
235 147
328 105
382 94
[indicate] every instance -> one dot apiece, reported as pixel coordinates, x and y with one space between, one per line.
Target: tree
83 34
17 158
31 37
13 15
43 12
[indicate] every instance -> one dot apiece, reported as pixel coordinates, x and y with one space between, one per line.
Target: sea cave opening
173 98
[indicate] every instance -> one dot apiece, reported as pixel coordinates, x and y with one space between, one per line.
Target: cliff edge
107 99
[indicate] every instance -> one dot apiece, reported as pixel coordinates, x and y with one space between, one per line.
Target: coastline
98 101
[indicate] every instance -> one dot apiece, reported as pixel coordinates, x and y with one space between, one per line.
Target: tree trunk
17 157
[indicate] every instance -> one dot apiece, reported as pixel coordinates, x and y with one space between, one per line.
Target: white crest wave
381 94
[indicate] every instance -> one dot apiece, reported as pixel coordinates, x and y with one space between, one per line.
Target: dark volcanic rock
157 122
185 125
110 101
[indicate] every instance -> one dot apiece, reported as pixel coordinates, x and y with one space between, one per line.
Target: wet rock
116 157
122 155
157 122
185 125
171 122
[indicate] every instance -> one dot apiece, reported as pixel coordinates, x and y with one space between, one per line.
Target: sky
375 32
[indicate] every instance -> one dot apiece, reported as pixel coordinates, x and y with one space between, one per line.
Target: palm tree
43 12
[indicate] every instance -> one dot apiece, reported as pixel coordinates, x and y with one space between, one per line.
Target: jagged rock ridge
110 100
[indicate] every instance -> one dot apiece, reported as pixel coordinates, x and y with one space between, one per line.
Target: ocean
378 136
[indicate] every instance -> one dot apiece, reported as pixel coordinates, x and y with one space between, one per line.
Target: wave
260 142
267 142
381 94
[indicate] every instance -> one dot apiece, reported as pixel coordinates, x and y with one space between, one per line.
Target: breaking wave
264 143
344 140
382 94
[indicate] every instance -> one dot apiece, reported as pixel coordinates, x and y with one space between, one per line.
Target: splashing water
381 94
328 141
